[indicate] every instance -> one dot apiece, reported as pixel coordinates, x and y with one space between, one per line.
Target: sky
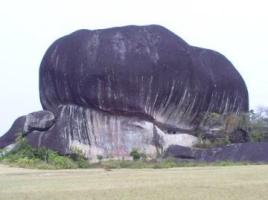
236 28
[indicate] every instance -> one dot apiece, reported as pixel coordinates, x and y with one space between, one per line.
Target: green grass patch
191 183
161 164
23 155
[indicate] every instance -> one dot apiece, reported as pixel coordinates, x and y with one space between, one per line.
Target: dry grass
205 183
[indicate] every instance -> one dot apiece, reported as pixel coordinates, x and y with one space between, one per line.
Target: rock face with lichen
116 89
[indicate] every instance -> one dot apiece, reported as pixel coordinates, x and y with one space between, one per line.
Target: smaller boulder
179 152
240 152
243 152
40 121
16 128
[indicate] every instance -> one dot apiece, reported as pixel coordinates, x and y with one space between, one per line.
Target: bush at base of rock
23 155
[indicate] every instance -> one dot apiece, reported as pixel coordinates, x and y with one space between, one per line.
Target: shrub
99 157
256 136
24 155
218 142
2 153
79 157
26 162
77 153
213 120
259 125
61 162
135 154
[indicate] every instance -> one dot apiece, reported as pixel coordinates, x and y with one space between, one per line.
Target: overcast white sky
236 28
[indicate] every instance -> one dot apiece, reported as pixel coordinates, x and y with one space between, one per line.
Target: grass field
215 183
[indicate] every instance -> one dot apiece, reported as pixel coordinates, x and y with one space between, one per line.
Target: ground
205 183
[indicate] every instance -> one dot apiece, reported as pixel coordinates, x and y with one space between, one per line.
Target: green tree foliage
232 125
135 154
259 124
212 120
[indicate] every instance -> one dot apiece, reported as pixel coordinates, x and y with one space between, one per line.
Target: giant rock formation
109 91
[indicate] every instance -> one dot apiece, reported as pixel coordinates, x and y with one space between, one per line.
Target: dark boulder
179 152
41 121
244 152
144 71
11 135
36 121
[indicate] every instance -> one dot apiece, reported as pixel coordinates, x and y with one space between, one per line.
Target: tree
259 124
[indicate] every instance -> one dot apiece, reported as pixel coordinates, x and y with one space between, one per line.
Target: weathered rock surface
41 121
10 136
251 152
101 133
140 71
180 152
142 87
243 152
36 121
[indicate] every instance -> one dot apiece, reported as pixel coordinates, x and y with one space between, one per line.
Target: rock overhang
86 68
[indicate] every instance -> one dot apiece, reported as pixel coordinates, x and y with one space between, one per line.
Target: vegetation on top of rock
218 130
